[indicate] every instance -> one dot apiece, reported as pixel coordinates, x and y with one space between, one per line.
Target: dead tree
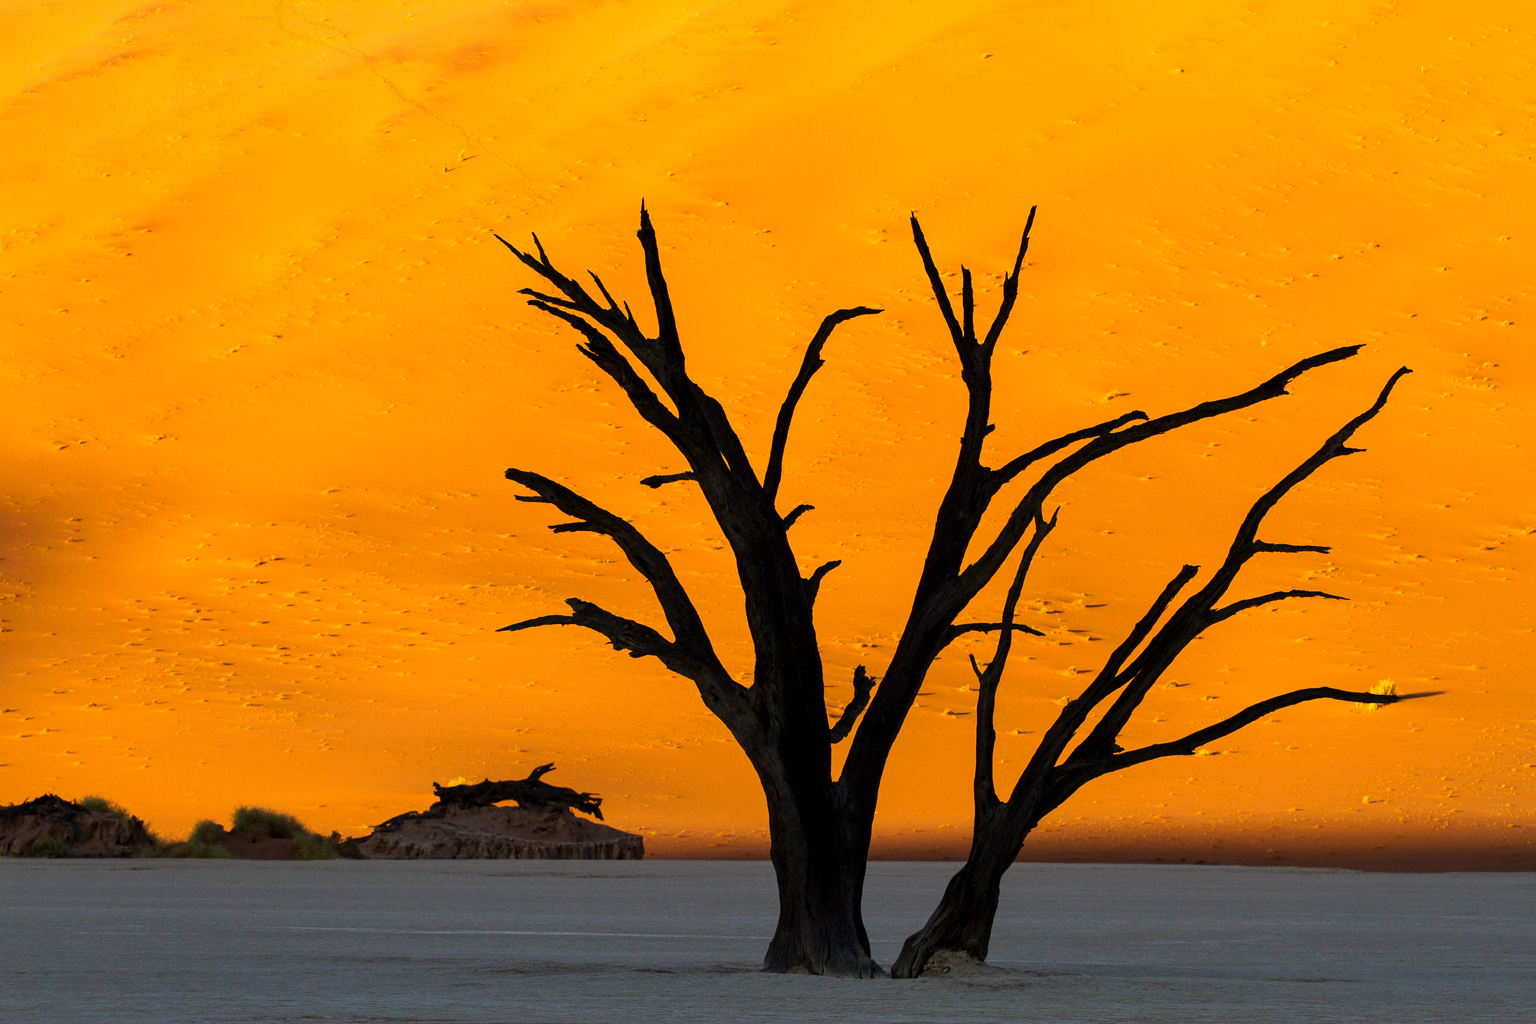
530 792
819 825
962 922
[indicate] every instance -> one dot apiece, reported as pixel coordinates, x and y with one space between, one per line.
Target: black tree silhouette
820 826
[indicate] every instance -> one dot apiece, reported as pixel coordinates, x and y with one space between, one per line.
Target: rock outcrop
82 831
497 833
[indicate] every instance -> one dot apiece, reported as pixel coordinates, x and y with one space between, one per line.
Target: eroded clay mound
498 833
84 832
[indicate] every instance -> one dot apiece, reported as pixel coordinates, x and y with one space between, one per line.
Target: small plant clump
252 825
101 805
47 845
206 831
257 823
195 850
310 846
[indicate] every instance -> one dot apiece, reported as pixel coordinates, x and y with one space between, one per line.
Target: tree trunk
819 857
962 921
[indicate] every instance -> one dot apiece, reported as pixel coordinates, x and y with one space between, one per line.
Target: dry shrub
256 823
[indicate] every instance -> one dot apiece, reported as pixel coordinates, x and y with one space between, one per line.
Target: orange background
264 365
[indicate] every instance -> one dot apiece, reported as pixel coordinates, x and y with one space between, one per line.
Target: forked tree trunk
962 921
821 926
819 850
820 826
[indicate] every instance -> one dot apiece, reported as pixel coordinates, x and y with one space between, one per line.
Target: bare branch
1189 744
1225 613
1197 612
623 634
699 428
813 585
862 685
1289 549
967 306
691 654
666 320
576 297
980 572
611 361
667 478
542 620
1107 681
961 628
529 792
1068 778
576 527
985 791
808 367
796 513
1003 474
1010 287
947 585
940 295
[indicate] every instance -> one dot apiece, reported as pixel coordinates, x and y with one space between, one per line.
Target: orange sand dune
265 363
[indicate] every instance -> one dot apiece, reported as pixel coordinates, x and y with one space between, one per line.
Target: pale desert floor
678 941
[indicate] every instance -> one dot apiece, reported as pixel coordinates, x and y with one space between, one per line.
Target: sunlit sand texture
264 365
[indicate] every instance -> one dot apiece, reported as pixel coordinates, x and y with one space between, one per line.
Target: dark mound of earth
82 831
496 833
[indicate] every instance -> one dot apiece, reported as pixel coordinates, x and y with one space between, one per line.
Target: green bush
205 832
197 850
101 805
47 845
255 823
312 847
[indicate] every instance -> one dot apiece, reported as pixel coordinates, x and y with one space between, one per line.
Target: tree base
958 963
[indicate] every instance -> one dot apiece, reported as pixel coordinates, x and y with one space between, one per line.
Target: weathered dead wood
962 922
530 793
820 825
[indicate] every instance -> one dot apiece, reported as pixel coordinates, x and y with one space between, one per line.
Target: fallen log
530 793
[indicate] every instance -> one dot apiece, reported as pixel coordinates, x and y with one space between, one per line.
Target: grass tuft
192 849
206 832
101 805
47 845
312 847
255 823
1385 687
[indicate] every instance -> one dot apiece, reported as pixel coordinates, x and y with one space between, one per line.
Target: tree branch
601 351
796 513
1003 474
667 478
984 788
1197 612
1109 679
940 294
529 792
691 654
1225 613
813 585
640 640
1010 287
808 367
1068 778
947 585
862 685
1289 549
960 629
977 574
1189 744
